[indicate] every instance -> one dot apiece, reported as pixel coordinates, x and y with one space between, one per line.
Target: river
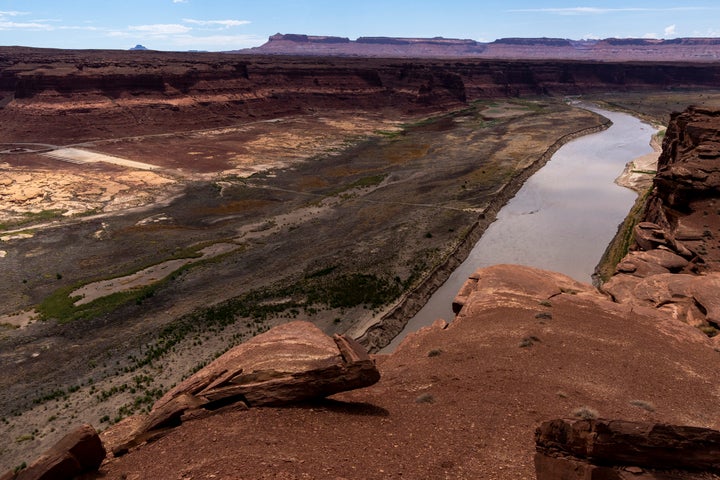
563 217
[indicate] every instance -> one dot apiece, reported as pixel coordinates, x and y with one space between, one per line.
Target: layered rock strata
141 92
616 449
674 265
80 451
290 363
612 49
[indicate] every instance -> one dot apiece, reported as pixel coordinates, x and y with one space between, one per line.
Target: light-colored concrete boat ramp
77 155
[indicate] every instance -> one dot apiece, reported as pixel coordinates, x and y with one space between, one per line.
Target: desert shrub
528 341
425 398
643 404
585 413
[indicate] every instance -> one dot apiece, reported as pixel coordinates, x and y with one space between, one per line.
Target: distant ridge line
690 49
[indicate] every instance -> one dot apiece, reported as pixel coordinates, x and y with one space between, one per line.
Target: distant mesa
139 47
610 49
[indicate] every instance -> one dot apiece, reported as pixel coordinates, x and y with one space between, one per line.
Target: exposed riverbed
563 217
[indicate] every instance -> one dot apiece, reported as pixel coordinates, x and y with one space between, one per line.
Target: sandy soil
461 402
639 173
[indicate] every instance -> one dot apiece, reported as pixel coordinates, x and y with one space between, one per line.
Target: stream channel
563 217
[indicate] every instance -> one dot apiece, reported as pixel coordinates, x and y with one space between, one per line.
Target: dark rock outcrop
78 452
288 364
614 449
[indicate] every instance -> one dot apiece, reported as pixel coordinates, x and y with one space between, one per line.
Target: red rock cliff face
147 92
688 169
674 265
608 50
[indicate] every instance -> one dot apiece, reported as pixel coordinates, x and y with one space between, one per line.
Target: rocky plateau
609 49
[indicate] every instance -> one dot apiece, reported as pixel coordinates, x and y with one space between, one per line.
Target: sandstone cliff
675 263
143 92
609 49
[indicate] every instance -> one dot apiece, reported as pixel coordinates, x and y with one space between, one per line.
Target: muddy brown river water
563 217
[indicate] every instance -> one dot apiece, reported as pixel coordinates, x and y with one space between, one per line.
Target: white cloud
601 11
670 30
24 25
180 1
219 23
7 24
85 28
11 13
160 29
650 36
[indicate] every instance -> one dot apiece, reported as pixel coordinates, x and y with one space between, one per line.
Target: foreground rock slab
288 364
78 452
616 449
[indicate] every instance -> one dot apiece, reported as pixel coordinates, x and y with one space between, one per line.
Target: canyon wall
674 265
62 95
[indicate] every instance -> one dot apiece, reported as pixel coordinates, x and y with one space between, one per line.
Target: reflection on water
562 219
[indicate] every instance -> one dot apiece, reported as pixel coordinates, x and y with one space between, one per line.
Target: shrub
585 413
643 404
425 398
528 341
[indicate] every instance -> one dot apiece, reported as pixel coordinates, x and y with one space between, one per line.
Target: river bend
563 217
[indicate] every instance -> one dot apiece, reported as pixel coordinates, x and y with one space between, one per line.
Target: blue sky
234 24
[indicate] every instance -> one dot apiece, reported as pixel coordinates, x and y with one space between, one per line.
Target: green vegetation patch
620 244
353 290
61 306
33 217
320 289
364 182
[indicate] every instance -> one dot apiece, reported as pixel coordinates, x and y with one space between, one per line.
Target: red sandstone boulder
653 262
678 269
292 362
693 299
649 235
517 279
78 452
607 449
288 364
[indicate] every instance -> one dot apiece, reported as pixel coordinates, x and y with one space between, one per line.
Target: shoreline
381 332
